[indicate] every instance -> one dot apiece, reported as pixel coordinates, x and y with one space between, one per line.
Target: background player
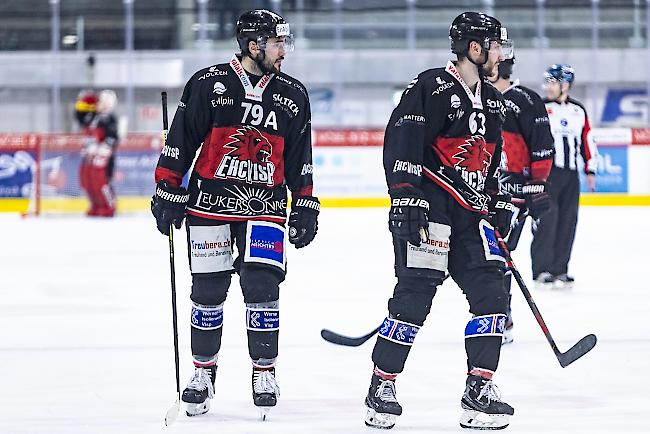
554 232
254 122
441 153
526 159
95 113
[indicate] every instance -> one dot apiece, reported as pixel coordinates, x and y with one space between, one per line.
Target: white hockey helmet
107 101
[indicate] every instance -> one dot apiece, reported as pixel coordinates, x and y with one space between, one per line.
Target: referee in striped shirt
554 231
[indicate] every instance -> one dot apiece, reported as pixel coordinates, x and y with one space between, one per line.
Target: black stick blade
583 346
347 341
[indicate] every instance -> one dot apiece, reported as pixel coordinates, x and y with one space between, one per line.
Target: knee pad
397 331
210 289
263 317
260 283
207 317
486 325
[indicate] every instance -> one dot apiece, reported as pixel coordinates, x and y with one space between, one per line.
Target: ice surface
86 337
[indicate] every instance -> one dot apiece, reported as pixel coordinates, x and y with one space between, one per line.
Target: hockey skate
199 390
265 390
382 404
544 280
508 336
482 405
564 281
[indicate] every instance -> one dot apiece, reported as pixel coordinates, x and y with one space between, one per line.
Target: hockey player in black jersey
251 123
527 157
442 149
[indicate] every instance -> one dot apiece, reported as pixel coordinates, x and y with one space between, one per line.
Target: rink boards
41 170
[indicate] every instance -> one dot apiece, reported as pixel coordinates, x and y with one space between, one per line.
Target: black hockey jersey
527 140
256 135
443 131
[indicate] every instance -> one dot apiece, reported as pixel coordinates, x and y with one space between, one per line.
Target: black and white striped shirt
570 126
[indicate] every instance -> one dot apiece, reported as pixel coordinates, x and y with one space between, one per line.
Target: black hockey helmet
260 24
479 27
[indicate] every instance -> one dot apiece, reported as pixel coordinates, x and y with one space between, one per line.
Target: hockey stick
172 413
582 347
348 341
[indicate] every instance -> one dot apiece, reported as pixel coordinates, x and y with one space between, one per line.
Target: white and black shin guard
263 325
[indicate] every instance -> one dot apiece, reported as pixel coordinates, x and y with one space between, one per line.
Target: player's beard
266 65
490 70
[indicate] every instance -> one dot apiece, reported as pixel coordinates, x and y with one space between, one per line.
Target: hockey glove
408 219
303 220
538 200
500 210
168 206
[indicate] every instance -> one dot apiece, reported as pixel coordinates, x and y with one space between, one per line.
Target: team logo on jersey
219 88
248 160
454 101
473 161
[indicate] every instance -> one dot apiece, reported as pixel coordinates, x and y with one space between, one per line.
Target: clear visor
503 48
507 49
282 42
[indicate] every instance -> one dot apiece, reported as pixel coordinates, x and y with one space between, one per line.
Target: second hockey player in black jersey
527 157
251 123
442 150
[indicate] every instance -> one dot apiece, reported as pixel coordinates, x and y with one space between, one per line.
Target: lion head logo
473 155
249 144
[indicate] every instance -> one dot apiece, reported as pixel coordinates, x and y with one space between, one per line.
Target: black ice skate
482 405
545 280
265 390
564 281
200 390
382 404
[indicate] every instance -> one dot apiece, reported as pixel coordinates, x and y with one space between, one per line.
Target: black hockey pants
554 232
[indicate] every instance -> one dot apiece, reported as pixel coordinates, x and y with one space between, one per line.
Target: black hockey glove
303 220
538 199
168 206
500 210
408 219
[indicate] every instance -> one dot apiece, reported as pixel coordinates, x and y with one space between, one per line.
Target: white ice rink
86 336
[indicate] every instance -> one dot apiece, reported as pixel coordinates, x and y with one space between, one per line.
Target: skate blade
197 409
473 419
507 337
264 412
563 286
380 420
